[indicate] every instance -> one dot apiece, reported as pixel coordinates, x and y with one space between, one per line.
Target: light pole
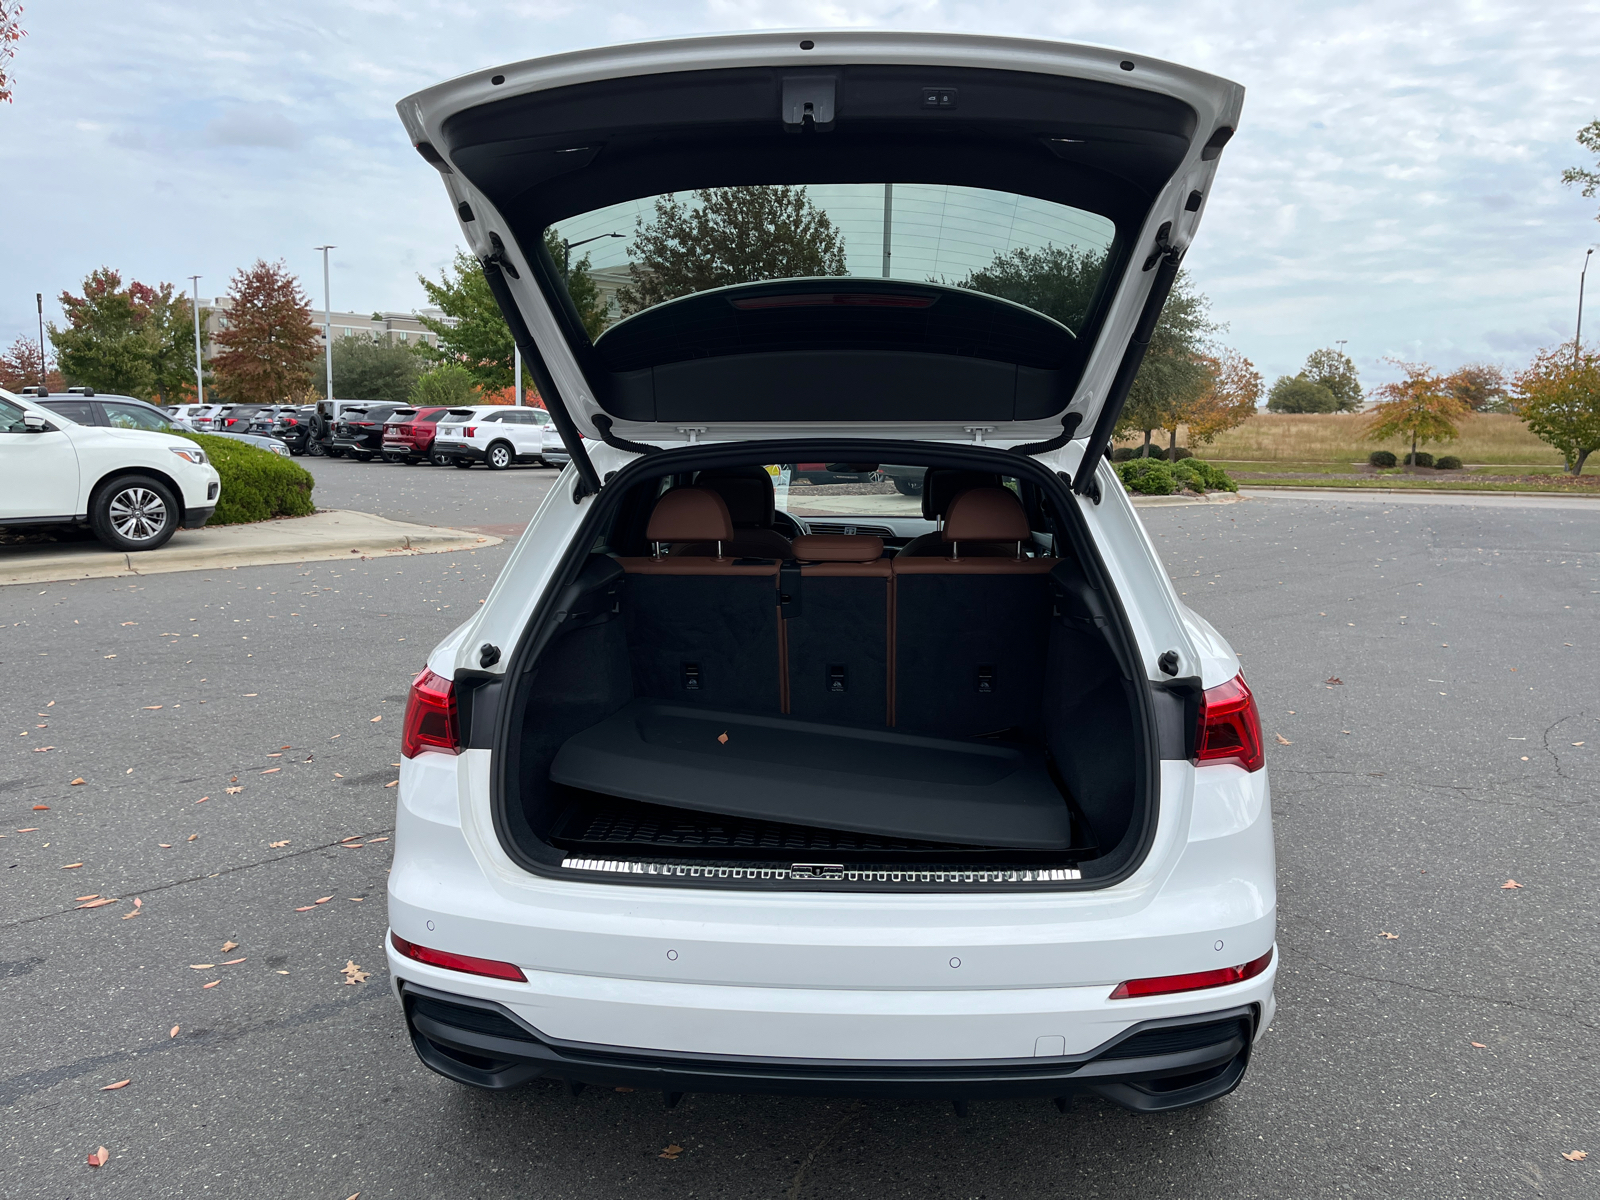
566 250
199 371
327 319
1577 337
39 300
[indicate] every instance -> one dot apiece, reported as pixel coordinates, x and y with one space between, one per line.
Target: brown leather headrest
747 491
838 547
986 514
690 514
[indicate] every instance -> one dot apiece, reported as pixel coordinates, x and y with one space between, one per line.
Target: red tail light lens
1230 727
430 717
1166 985
470 430
493 968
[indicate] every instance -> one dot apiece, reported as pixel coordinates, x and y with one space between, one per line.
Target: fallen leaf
1393 937
355 899
192 836
125 624
371 840
353 973
151 707
350 845
138 903
1509 884
229 945
275 756
324 899
336 775
165 845
42 749
1477 1045
280 748
29 829
307 908
278 845
1575 1155
90 896
202 799
173 1032
392 783
234 791
100 1157
352 1196
272 770
354 837
98 903
128 916
233 962
201 966
112 1087
1333 681
70 866
251 695
46 807
1574 743
77 781
723 737
212 984
671 1151
283 972
1282 741
375 720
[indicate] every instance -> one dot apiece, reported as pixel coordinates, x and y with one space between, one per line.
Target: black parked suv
359 431
292 427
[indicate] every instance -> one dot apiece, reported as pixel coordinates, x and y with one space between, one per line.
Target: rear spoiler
588 477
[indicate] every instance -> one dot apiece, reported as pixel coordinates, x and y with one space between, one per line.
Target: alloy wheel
138 514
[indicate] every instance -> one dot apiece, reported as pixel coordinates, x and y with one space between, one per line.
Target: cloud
254 125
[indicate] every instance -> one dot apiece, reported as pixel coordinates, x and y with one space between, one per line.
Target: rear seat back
702 629
836 620
971 625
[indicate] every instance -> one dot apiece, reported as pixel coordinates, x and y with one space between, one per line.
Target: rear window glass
626 258
431 418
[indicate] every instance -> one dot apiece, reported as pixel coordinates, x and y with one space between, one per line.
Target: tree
270 339
105 344
1300 394
1480 386
1334 370
11 32
1558 398
21 367
727 236
1230 398
479 339
367 370
449 384
1056 281
580 284
1174 374
1420 406
169 334
1589 139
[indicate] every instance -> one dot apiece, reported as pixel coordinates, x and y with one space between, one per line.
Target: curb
326 535
1164 501
1381 491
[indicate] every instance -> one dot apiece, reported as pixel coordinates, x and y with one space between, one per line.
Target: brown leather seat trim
973 566
846 570
838 547
691 565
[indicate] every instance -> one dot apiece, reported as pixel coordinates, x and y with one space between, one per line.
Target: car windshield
625 258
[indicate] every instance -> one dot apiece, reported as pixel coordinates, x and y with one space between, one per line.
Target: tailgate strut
1169 257
588 478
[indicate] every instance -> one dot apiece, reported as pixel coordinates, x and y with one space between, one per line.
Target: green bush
1420 459
1178 453
449 384
1122 454
1201 476
1382 458
1447 462
1147 476
256 484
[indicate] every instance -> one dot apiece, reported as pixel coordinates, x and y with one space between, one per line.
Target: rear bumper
357 445
459 450
1153 1066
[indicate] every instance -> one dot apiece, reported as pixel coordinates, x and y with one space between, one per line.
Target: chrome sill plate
804 873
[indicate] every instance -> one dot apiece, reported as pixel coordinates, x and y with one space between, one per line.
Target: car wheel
499 457
463 463
315 450
135 512
439 460
908 487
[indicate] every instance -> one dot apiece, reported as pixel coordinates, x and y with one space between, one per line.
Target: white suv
706 799
498 435
135 487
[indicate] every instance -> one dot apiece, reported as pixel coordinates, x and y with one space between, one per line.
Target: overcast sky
1395 180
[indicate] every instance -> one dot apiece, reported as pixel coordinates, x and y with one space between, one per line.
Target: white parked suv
134 487
704 799
497 436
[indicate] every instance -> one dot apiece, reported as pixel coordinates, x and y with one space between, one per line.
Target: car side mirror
34 423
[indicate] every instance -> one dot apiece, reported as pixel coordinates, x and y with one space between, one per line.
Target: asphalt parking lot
1425 674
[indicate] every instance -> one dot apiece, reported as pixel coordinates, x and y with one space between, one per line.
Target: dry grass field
1486 439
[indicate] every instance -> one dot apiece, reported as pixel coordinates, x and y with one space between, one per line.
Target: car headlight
192 453
282 450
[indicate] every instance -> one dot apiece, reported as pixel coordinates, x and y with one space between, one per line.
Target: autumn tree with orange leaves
1421 406
1229 399
269 341
21 367
1558 398
11 32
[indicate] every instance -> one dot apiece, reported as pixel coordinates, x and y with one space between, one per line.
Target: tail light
1230 727
492 967
1166 985
291 421
430 717
470 430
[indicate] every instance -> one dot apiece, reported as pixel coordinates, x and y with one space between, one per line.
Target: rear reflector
430 717
1166 985
493 968
1230 727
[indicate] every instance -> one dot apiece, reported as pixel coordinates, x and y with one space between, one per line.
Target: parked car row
494 435
86 407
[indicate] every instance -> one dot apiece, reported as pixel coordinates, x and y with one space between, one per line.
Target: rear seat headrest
986 514
747 491
941 485
838 547
691 514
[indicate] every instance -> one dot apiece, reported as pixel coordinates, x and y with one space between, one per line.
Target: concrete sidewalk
323 535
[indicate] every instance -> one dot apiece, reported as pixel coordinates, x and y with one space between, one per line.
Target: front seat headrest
940 485
987 514
747 491
691 514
